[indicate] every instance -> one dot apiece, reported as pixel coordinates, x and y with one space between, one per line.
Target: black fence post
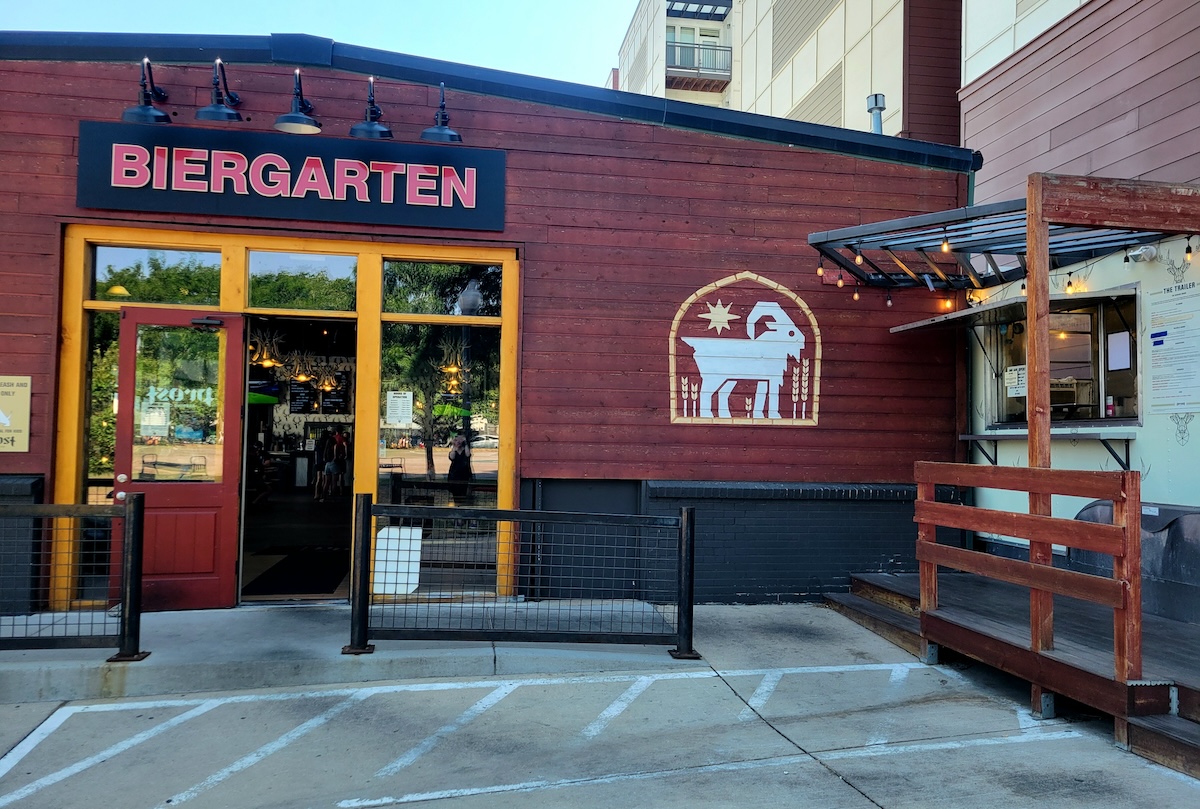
360 579
687 584
131 581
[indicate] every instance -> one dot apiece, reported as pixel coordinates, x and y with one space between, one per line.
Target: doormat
304 571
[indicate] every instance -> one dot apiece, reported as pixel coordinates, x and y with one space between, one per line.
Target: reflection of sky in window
262 263
120 258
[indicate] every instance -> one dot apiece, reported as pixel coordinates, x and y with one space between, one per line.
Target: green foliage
418 287
302 290
188 279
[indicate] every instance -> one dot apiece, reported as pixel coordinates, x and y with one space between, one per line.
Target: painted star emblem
718 316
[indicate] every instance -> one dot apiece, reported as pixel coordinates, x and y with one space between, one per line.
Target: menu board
337 401
302 398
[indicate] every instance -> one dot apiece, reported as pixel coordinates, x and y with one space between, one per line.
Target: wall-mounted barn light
145 112
223 103
441 132
370 127
298 121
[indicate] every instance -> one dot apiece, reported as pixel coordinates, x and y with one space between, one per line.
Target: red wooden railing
1121 541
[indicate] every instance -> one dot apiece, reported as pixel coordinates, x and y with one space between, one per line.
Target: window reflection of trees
416 287
135 275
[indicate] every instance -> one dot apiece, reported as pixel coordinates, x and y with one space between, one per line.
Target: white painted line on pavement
464 719
534 786
48 726
761 694
105 754
895 682
925 747
618 707
266 750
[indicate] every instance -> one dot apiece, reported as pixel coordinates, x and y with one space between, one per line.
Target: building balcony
705 68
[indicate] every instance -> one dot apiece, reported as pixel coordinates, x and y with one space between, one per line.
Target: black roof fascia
304 49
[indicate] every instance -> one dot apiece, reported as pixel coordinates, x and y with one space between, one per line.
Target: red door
179 436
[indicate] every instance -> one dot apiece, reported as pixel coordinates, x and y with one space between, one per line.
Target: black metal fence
70 576
424 572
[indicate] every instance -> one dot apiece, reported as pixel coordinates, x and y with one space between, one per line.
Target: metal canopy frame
712 10
967 248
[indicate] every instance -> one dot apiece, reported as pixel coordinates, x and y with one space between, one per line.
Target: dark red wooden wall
932 70
616 223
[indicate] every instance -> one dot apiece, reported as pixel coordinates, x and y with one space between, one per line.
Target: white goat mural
763 359
769 376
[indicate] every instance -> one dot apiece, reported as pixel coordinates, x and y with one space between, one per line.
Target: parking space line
761 694
618 707
465 718
267 749
107 753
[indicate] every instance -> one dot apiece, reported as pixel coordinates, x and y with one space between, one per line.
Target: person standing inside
460 468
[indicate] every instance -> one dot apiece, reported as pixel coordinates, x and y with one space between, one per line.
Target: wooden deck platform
988 620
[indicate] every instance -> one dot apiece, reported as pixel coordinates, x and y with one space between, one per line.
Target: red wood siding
1109 91
617 224
932 70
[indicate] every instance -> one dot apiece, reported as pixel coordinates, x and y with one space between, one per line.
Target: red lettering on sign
455 186
349 174
186 164
387 171
270 183
422 179
229 166
130 166
312 178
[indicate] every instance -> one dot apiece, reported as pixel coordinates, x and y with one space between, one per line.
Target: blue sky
572 40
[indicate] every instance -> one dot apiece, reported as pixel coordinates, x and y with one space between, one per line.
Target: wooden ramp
1156 716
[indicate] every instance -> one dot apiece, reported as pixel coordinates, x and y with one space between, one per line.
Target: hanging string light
1070 285
945 242
858 257
841 282
1187 254
820 265
856 295
889 298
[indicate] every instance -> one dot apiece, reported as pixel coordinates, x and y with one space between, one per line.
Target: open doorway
298 459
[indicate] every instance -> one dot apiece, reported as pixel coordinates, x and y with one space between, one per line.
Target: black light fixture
222 106
298 121
370 127
145 112
441 132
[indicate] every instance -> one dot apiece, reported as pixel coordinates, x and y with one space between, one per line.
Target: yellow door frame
234 249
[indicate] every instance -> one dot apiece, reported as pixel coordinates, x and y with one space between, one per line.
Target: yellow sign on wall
14 413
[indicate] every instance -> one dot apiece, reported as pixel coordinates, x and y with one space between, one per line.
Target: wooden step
890 624
1167 740
887 590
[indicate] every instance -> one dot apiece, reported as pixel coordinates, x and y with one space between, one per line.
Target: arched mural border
745 275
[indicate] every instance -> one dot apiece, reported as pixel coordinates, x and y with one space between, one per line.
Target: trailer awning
1005 311
968 248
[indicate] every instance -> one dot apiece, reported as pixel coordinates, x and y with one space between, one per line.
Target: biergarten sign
146 167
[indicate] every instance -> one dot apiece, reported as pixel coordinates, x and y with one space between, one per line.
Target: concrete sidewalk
286 645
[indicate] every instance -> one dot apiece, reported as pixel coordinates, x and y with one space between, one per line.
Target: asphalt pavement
791 705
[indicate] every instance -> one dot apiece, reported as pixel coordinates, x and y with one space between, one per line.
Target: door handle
121 495
121 478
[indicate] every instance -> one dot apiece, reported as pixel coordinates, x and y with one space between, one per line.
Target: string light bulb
1070 284
889 299
945 243
841 282
858 257
1024 291
856 295
820 265
1187 254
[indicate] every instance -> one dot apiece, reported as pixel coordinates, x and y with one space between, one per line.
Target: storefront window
140 275
437 382
420 287
101 412
1093 363
309 281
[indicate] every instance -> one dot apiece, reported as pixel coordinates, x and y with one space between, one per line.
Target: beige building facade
807 60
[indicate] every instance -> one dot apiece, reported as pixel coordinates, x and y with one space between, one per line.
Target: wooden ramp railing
1121 541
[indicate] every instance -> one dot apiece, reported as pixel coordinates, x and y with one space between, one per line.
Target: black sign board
337 401
225 172
302 398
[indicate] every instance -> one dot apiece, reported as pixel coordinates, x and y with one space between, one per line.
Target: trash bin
20 557
397 561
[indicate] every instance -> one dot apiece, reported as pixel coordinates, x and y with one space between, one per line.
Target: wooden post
1037 398
927 532
1127 622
